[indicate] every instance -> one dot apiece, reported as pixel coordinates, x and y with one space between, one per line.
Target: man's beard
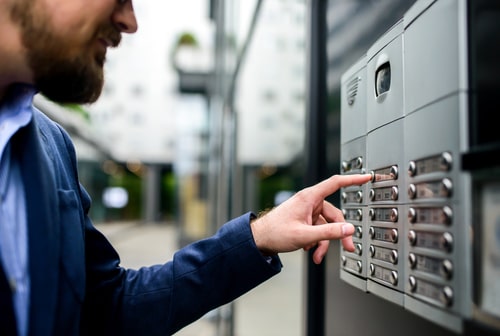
67 81
58 75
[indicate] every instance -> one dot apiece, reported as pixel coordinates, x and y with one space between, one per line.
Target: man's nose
124 17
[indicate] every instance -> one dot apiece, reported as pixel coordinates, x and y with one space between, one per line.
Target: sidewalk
272 309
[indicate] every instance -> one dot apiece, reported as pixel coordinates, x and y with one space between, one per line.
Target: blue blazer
77 284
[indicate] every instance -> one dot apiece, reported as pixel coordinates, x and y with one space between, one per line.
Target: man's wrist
258 228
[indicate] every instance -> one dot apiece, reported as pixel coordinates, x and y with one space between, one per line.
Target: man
58 274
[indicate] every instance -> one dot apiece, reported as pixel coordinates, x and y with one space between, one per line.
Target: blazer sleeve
156 300
161 299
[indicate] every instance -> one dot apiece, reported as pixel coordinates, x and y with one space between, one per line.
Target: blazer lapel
43 228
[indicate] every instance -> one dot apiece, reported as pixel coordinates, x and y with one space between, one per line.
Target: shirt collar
17 104
16 111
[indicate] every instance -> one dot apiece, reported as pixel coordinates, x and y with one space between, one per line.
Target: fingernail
347 229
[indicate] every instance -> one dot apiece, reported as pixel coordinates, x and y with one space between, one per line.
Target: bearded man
58 274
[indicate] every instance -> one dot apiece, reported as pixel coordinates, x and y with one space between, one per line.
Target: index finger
329 186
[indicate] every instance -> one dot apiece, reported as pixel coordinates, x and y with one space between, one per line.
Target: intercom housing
413 115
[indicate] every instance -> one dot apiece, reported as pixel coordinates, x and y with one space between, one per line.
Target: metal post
316 156
151 190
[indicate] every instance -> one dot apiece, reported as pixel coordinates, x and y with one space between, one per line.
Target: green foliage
169 204
271 185
186 39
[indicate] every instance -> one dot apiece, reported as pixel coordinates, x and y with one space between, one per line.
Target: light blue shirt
15 113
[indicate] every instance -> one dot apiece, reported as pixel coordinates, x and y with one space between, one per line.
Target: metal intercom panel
353 157
384 155
416 247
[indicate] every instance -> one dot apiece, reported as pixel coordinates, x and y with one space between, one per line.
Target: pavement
272 309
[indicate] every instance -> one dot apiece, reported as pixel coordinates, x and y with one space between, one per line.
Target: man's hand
306 220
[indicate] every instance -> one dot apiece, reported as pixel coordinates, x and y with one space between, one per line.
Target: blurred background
219 107
202 99
201 119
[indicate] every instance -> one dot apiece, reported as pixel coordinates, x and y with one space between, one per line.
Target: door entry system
415 113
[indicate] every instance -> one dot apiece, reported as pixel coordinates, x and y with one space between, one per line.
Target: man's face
66 43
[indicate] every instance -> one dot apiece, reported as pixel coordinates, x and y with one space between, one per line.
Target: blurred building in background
270 97
201 117
203 91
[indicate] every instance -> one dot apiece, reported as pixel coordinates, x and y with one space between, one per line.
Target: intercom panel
386 196
384 84
435 58
353 264
422 207
353 119
439 222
